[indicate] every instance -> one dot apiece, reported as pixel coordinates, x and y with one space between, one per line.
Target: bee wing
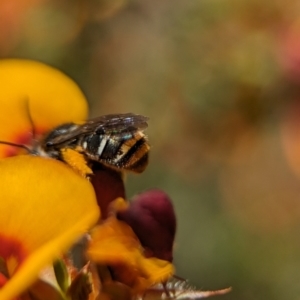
114 124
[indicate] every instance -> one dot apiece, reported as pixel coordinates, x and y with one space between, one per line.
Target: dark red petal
151 216
3 280
108 185
11 247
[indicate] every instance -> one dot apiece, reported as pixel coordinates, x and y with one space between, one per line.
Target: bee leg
76 161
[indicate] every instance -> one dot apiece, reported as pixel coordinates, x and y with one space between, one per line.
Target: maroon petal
151 216
108 185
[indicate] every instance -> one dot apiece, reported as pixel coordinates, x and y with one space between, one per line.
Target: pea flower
45 206
115 244
34 99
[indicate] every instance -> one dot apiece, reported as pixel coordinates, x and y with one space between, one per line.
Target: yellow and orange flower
45 206
113 243
35 98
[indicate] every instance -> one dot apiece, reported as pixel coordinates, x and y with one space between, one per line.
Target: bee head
58 135
100 131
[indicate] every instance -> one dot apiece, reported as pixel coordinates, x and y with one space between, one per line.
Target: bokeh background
220 82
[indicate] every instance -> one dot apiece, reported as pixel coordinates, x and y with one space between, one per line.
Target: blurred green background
220 82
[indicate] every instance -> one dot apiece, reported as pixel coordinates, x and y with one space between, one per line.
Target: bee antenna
17 145
27 107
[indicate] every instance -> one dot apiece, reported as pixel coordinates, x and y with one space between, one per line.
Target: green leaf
61 274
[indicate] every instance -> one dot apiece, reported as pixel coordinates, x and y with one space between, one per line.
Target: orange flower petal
45 208
34 91
115 244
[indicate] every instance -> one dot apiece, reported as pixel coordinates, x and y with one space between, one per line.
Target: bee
117 141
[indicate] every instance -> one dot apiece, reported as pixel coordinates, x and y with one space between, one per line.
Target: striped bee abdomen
128 151
134 153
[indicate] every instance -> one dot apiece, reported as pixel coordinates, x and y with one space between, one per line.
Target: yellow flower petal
45 207
51 97
114 244
157 270
112 228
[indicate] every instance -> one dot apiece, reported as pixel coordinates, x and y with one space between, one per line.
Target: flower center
12 254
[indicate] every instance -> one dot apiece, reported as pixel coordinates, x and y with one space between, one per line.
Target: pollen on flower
77 161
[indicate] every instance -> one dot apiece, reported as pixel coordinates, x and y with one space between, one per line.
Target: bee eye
100 131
